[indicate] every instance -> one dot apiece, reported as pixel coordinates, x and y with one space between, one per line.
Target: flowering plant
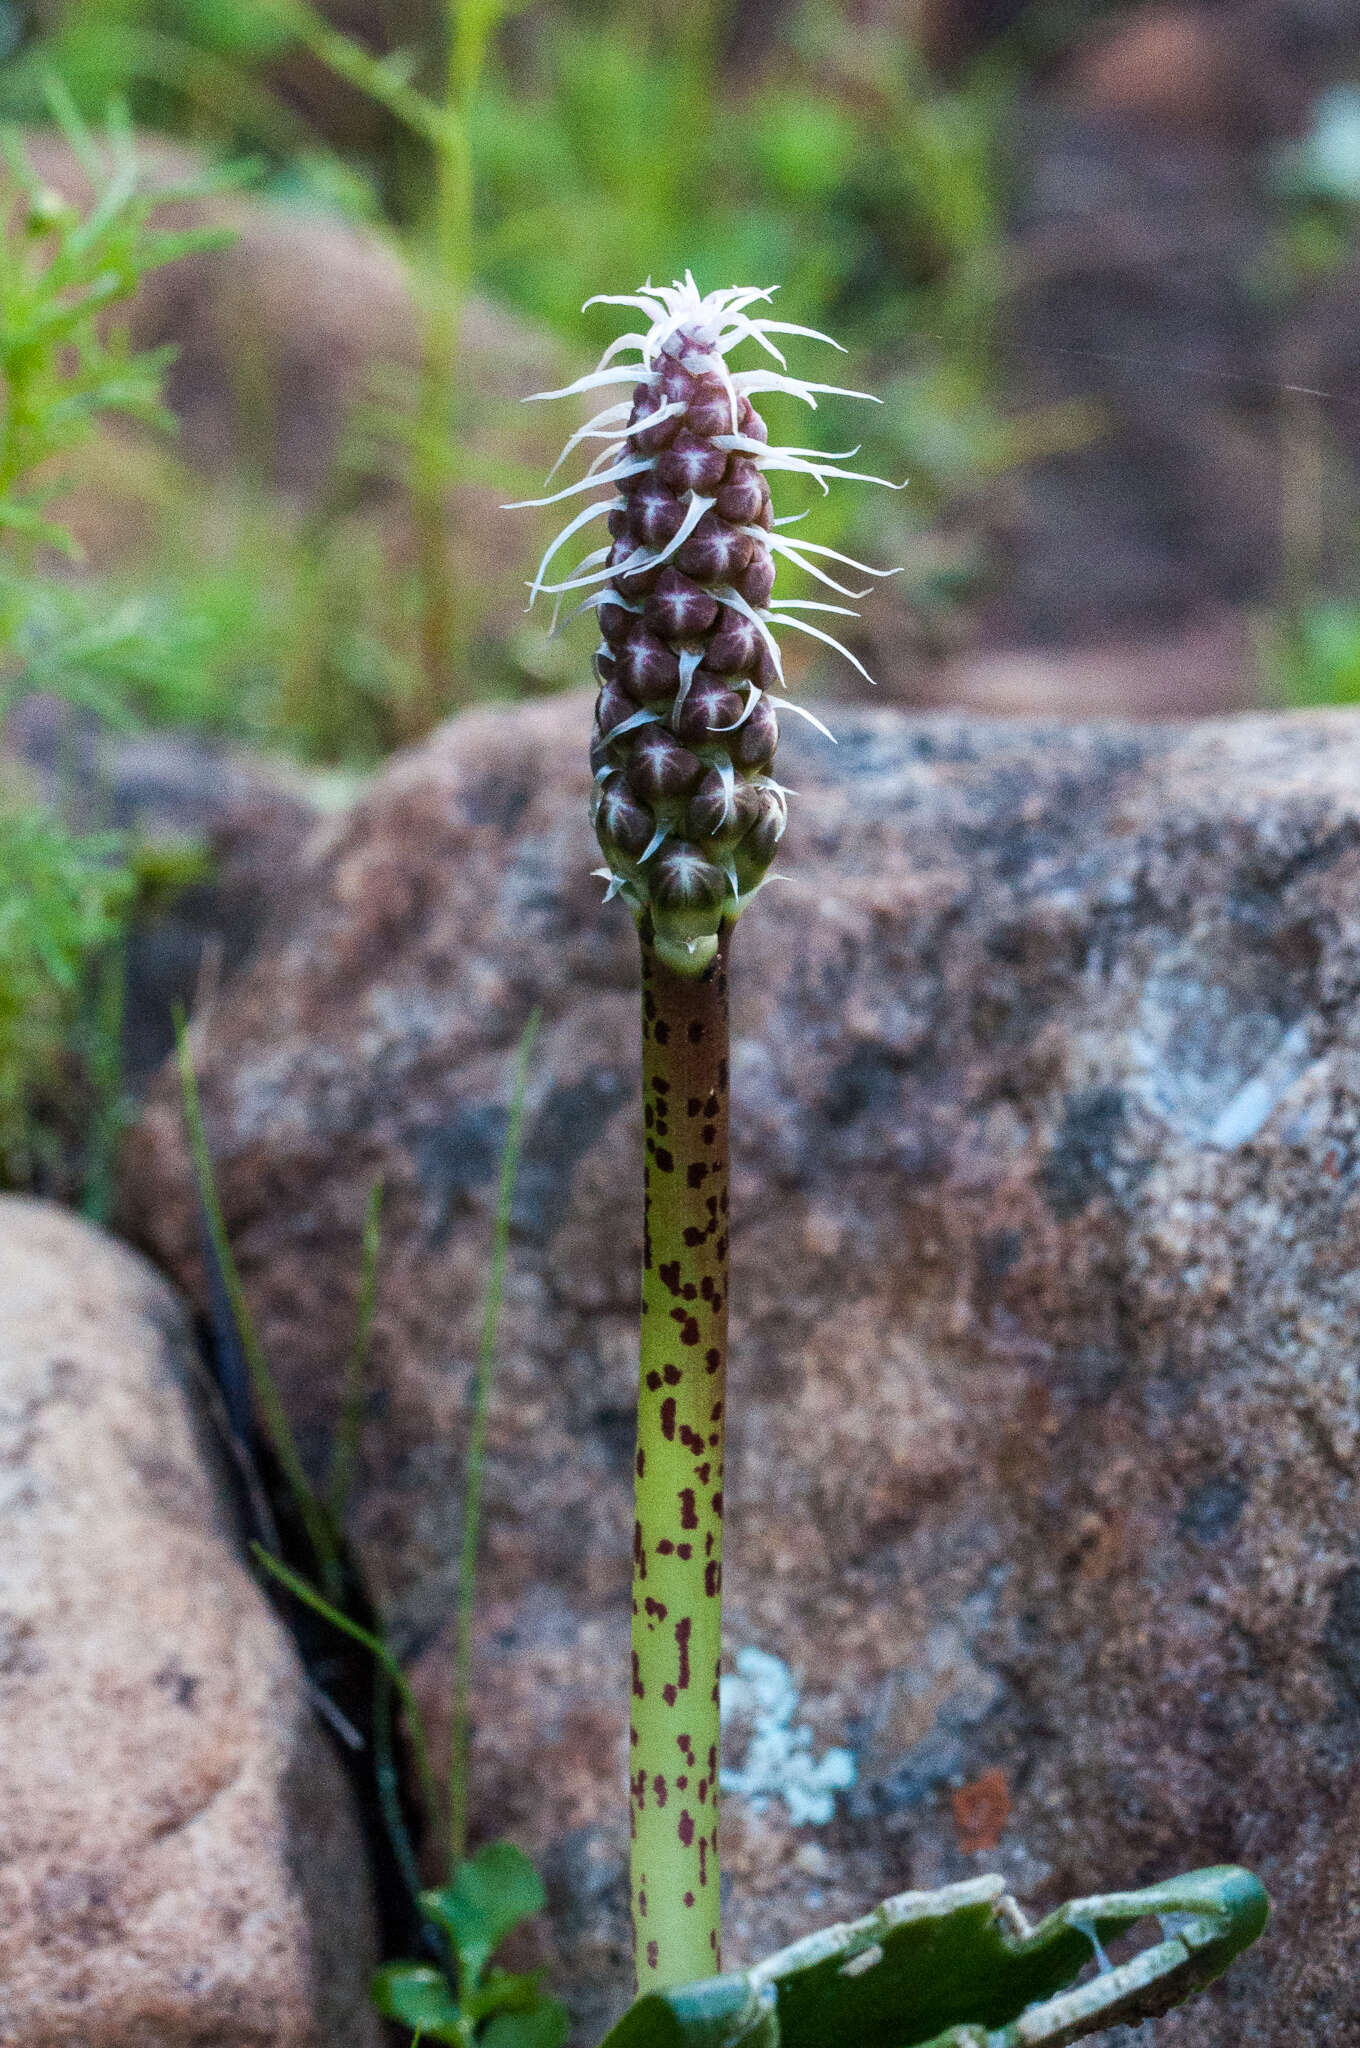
688 814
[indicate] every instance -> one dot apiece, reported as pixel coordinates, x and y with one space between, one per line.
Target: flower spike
685 808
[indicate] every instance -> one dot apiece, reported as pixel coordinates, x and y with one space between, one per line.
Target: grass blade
476 1451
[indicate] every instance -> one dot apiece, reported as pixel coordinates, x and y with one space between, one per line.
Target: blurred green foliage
66 366
1310 653
599 144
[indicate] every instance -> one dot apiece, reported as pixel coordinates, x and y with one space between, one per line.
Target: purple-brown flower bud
679 609
659 769
754 741
721 810
753 852
710 708
683 605
645 667
622 824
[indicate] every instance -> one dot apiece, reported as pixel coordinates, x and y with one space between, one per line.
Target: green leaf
503 1991
546 2026
961 1968
418 1996
491 1892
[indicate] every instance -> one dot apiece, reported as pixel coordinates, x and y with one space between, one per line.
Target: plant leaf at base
960 1968
491 1893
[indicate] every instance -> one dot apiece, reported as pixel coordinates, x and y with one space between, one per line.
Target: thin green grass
476 1452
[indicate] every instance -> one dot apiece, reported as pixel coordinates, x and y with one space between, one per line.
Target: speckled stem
677 1538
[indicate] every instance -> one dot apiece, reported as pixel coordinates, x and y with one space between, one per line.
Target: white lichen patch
780 1763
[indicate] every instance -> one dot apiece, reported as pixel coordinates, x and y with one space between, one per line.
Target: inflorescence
685 806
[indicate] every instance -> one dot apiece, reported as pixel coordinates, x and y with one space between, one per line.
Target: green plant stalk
278 1429
345 1451
476 1454
677 1537
468 28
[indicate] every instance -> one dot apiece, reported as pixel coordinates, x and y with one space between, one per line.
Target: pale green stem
677 1537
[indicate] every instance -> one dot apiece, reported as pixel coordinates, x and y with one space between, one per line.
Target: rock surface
239 818
1045 1400
178 1864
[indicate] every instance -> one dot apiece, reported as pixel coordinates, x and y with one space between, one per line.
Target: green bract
960 1968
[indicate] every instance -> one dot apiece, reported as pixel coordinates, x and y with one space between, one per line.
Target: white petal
790 327
608 476
596 378
802 626
572 526
753 697
788 704
725 592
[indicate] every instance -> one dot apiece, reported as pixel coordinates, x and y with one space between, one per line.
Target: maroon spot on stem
653 1381
668 1418
689 1898
708 1544
642 1896
689 1328
693 1237
669 1276
720 1248
664 1162
684 1551
682 1782
641 1461
701 1472
703 1790
696 1033
690 1438
683 1630
693 1106
713 1939
717 1505
712 1578
632 1736
638 1693
706 1287
653 1956
671 1375
664 1547
688 1518
688 1291
656 1608
709 1133
661 1085
669 1695
659 1787
697 1174
714 1441
661 1031
713 1359
703 1861
639 1553
684 1827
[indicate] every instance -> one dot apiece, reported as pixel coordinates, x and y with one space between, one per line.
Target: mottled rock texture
1044 1404
178 1864
239 817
